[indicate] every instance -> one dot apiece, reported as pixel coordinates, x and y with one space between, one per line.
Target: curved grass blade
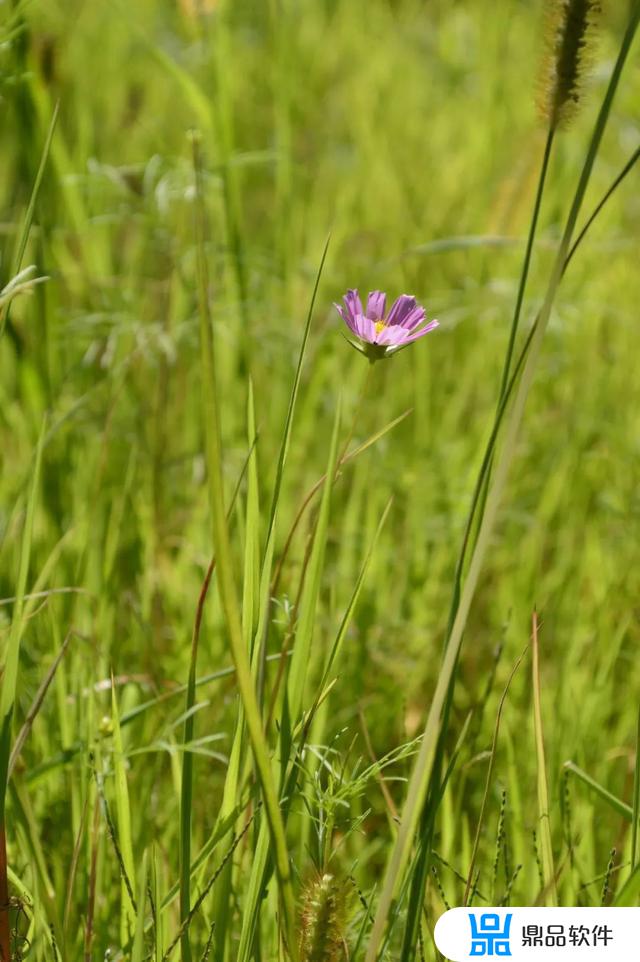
492 759
420 779
615 803
227 584
123 812
28 217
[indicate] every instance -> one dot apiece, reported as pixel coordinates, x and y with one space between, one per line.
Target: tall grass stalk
626 169
266 573
419 783
550 894
9 690
485 796
226 579
125 838
475 511
341 560
292 710
186 787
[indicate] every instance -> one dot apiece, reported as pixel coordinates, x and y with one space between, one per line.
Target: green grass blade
222 895
228 592
8 690
420 778
253 895
156 889
353 601
123 813
615 803
25 818
490 768
550 894
28 217
627 168
296 683
344 460
138 949
311 590
186 788
12 657
636 798
265 579
23 734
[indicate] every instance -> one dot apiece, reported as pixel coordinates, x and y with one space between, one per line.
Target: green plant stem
5 931
186 793
526 264
227 586
480 492
628 167
8 691
28 217
480 489
346 458
356 413
423 766
186 788
487 786
484 477
636 798
550 895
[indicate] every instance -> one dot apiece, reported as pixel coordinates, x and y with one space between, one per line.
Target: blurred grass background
407 129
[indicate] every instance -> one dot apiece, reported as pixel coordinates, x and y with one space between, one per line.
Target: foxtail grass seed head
323 919
570 36
381 336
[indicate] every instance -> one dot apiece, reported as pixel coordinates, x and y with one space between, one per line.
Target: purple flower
382 336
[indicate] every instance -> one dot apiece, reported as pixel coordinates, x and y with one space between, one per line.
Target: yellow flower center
380 326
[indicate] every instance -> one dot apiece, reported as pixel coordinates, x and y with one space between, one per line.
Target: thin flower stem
356 414
346 459
342 459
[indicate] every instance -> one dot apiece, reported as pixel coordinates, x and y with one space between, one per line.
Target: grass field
238 791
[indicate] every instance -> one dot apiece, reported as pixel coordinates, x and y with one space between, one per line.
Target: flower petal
367 330
402 307
353 303
376 303
414 318
392 335
413 336
346 316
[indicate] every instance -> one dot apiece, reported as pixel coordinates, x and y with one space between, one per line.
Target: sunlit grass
409 133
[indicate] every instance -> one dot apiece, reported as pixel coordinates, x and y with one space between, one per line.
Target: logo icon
487 937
